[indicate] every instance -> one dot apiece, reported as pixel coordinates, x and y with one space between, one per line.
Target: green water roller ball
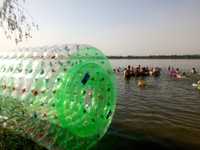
61 97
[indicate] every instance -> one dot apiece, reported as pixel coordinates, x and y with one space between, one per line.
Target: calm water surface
165 115
185 64
166 110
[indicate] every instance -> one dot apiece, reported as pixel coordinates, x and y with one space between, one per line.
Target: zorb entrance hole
62 97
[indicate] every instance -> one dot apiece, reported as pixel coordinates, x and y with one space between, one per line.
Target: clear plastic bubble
62 97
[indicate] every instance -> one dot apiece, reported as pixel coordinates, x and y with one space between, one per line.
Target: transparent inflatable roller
61 97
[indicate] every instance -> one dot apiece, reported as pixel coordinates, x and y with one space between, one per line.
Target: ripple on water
165 108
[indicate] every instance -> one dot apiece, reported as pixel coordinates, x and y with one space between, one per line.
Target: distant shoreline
157 57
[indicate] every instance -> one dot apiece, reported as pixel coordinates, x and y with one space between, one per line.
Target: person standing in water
127 72
173 72
193 71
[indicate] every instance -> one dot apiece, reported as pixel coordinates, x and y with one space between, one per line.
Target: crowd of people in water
141 71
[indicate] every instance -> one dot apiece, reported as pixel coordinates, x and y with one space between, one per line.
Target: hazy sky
117 27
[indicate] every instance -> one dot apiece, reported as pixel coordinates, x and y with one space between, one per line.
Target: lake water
185 64
163 115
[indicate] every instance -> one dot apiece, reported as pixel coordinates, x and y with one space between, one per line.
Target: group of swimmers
176 73
139 71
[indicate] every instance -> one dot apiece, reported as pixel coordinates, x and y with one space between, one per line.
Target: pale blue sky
117 27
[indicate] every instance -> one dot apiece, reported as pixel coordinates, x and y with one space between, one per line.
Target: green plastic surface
71 109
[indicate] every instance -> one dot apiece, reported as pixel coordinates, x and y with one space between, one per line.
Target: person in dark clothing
127 72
